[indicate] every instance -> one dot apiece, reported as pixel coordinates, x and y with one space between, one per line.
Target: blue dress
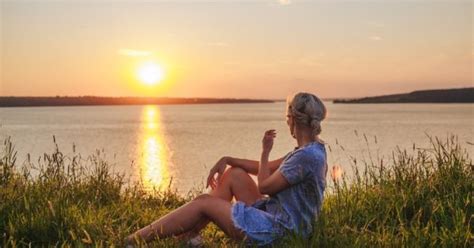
293 209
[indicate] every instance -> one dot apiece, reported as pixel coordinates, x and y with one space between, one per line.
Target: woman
295 184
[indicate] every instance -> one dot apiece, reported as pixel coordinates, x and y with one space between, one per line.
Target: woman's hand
263 169
218 168
267 141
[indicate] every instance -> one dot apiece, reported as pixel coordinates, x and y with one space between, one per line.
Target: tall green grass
422 198
73 201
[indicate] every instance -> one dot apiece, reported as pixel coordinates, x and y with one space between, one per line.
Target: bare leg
234 183
187 216
237 183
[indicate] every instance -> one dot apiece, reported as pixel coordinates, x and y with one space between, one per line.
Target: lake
156 143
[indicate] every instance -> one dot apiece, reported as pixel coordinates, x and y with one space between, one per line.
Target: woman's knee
202 197
231 177
202 201
236 173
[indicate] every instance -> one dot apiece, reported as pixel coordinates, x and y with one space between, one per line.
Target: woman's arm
269 183
251 166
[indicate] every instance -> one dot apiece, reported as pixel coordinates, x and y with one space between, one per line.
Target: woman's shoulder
315 153
314 147
310 153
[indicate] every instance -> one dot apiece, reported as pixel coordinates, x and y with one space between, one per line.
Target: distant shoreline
14 101
461 95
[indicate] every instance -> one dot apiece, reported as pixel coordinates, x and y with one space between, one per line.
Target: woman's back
297 206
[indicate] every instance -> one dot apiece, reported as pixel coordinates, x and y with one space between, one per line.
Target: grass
422 198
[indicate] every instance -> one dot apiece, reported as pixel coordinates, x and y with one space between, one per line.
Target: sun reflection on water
154 159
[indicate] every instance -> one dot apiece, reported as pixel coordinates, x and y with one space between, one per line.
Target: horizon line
233 98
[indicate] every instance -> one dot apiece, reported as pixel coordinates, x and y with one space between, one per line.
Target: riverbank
462 95
421 198
51 101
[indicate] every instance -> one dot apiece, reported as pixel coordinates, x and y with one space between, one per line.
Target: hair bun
307 110
316 126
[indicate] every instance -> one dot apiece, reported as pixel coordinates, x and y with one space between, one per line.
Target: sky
239 49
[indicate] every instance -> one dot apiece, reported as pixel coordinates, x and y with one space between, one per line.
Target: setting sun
150 73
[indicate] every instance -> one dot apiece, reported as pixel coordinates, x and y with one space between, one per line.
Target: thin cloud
284 2
134 53
375 38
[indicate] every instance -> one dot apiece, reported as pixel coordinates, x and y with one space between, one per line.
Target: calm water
156 143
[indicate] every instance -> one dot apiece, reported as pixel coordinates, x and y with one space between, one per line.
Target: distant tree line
13 101
462 95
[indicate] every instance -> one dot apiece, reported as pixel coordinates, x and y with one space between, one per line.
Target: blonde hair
307 110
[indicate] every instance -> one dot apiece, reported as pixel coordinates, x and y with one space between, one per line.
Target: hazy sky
255 49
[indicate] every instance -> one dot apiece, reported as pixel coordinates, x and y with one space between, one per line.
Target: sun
150 73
